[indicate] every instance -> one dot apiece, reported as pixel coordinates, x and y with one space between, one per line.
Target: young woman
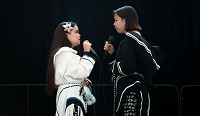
67 70
133 65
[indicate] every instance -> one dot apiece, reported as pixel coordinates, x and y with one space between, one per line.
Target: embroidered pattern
130 104
146 48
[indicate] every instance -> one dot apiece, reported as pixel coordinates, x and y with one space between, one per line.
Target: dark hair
130 15
59 40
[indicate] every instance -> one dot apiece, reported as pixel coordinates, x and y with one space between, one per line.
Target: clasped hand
86 46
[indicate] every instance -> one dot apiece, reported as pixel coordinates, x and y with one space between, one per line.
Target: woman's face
119 24
74 37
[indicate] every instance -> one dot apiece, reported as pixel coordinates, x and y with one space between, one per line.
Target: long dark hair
59 40
130 15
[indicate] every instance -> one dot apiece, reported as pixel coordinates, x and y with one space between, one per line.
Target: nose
114 24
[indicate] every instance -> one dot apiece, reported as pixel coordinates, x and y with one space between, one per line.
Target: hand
87 46
109 47
87 84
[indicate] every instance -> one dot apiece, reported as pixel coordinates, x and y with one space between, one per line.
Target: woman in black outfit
133 65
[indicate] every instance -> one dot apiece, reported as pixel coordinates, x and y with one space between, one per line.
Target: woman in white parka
67 70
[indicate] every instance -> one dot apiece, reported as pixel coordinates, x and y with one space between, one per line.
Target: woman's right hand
86 46
109 47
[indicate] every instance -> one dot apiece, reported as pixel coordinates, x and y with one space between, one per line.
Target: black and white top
135 54
136 61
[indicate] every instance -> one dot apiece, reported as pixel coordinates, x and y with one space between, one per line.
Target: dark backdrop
27 29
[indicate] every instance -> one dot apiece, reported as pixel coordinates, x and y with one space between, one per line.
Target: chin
120 32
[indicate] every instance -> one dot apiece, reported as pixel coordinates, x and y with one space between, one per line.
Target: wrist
111 51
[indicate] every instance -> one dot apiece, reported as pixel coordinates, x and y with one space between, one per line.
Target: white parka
70 71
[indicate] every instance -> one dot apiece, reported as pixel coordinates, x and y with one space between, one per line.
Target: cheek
70 40
122 25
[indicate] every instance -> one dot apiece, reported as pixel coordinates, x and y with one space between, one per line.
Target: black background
27 29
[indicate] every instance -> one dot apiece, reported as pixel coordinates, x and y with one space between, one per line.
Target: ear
123 20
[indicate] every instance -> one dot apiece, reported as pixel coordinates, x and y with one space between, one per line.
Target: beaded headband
67 27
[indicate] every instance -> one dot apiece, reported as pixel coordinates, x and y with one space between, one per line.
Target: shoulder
66 49
125 44
65 53
128 40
